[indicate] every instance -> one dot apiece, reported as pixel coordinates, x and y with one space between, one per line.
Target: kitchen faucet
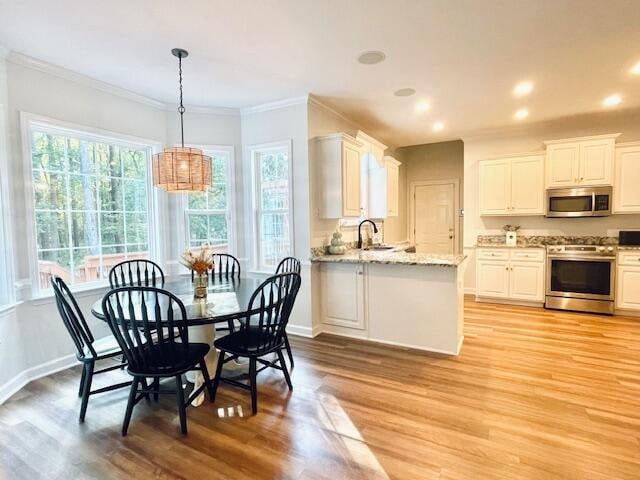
375 230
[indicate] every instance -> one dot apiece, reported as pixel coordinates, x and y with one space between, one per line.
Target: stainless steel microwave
579 202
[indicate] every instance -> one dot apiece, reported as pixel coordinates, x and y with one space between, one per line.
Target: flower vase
200 285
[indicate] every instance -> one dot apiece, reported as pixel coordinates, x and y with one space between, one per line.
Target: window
209 214
90 202
272 204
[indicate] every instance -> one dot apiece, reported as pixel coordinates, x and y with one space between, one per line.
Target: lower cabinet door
492 279
343 294
526 281
628 288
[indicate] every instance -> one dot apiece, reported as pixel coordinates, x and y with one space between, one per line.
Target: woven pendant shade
182 169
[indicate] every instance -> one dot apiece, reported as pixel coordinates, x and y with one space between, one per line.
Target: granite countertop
395 256
532 241
630 248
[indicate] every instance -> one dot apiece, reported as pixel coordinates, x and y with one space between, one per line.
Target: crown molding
265 107
313 100
205 110
61 72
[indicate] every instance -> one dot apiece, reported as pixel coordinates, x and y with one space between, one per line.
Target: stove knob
609 249
601 249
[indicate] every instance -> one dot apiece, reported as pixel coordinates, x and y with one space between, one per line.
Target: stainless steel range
581 278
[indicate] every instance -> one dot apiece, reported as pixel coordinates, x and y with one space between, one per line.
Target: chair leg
207 378
156 388
216 378
82 379
284 369
182 409
86 389
123 362
130 404
288 347
254 388
145 385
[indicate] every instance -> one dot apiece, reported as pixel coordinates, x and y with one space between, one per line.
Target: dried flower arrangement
200 262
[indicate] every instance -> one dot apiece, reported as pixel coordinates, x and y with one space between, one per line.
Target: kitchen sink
379 247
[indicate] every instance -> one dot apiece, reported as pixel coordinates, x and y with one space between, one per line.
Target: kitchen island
408 299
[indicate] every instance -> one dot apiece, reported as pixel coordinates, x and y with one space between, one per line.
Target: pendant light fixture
181 169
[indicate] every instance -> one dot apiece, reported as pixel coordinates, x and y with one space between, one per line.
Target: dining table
227 301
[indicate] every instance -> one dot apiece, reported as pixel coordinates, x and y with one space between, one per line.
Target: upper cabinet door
626 190
527 185
562 165
350 181
393 174
495 187
596 162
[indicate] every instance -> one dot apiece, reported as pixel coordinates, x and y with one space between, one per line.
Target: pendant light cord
181 107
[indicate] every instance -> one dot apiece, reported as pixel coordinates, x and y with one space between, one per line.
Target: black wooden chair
136 273
84 341
288 264
150 325
260 333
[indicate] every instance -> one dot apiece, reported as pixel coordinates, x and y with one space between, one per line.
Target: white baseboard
399 344
469 290
301 331
20 380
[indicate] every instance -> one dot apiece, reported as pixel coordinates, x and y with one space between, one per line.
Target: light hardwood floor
534 394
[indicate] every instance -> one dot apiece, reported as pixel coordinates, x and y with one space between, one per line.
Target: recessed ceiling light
523 88
635 70
404 92
438 126
521 114
612 100
422 106
371 57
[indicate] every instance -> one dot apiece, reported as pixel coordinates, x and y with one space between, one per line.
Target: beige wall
433 161
531 139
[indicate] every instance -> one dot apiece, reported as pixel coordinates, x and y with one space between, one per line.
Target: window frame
29 123
7 292
230 213
253 151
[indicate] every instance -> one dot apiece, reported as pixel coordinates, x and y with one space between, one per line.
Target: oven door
581 277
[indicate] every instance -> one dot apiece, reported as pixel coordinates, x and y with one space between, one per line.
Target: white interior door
434 208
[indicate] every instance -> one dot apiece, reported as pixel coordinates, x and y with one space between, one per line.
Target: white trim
399 344
469 290
265 107
232 213
456 208
30 374
27 122
313 100
204 110
6 230
581 139
61 72
360 135
85 80
255 231
300 331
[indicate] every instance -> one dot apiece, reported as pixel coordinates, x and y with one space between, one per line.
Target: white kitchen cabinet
526 281
585 161
628 281
626 190
383 188
337 159
511 273
493 278
512 185
343 287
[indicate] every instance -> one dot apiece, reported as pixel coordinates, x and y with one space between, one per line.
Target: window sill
77 291
8 309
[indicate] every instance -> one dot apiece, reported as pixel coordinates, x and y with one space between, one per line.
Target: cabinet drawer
493 254
527 254
629 258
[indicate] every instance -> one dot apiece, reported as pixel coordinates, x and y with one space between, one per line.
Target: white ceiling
464 56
